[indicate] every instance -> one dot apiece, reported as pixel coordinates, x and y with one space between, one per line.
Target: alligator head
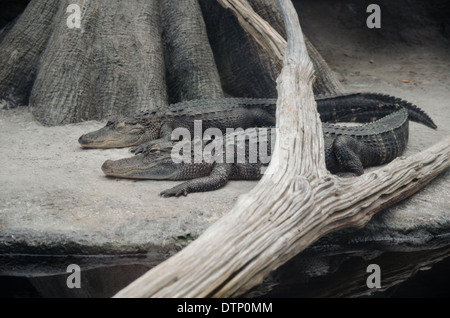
155 164
119 133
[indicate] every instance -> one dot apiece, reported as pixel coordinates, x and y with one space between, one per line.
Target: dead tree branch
294 204
275 45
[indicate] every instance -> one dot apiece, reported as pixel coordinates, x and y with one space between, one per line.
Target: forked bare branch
291 207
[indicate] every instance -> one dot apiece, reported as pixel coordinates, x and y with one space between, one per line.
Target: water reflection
344 274
38 276
337 273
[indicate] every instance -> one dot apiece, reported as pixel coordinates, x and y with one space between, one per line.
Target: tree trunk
116 64
88 73
20 50
191 69
137 56
96 71
295 203
272 23
245 70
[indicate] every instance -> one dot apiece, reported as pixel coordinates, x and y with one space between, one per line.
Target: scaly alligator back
332 108
375 143
145 128
346 149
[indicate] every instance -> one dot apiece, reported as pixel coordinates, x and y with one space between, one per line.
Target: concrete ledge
54 198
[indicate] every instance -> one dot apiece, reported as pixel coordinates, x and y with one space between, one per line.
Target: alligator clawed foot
149 145
143 148
138 149
174 192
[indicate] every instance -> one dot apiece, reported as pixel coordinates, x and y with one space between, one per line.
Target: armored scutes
147 129
346 149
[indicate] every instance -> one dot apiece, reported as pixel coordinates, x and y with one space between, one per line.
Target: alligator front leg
165 134
347 151
148 145
218 178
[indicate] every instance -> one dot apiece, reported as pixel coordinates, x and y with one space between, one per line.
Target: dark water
424 274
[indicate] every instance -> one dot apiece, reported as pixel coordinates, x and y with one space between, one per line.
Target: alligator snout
94 140
83 140
107 167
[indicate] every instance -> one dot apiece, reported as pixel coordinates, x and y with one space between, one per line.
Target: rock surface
54 199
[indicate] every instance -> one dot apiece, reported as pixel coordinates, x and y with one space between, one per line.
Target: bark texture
134 56
21 48
114 64
272 23
245 70
191 69
296 202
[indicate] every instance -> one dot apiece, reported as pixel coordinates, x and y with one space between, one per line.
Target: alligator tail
367 107
414 113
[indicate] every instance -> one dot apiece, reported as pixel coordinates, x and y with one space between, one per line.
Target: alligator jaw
108 137
141 167
85 142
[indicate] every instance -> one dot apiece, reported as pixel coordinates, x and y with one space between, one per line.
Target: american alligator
346 149
149 128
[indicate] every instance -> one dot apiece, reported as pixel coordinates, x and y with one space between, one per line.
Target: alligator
149 128
347 149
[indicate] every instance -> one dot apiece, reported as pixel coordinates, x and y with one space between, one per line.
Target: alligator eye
119 125
135 131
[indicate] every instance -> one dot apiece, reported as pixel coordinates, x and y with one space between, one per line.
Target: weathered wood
245 69
257 28
326 82
293 205
274 44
